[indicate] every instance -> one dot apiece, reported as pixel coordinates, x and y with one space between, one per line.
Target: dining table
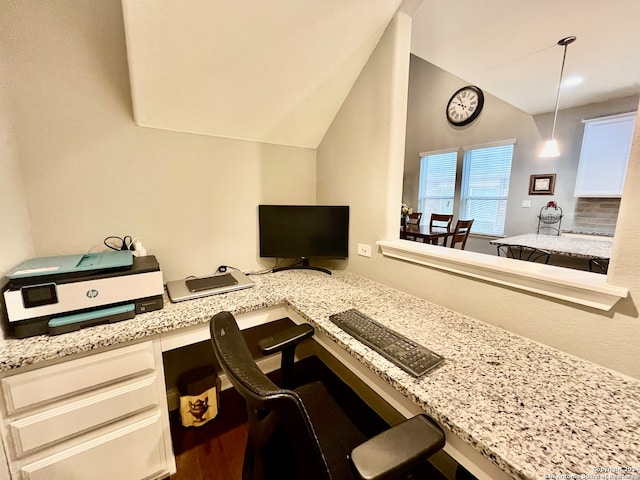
425 234
580 247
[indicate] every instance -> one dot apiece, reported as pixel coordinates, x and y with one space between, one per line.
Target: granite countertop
561 245
530 409
590 231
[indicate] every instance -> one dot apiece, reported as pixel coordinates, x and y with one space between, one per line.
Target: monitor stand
303 264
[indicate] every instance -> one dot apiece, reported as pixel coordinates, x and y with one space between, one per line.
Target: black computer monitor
304 231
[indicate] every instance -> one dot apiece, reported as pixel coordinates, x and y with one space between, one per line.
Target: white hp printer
60 294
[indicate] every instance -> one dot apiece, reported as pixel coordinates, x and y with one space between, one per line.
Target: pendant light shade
550 148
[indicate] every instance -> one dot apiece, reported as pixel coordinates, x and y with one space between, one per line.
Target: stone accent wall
596 215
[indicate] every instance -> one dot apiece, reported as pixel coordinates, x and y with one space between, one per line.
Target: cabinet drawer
84 415
58 381
133 451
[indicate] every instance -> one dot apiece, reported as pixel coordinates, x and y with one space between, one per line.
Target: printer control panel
39 295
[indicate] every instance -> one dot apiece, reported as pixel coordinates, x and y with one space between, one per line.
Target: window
437 184
483 191
485 187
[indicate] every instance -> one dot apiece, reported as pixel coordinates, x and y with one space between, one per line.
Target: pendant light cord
564 42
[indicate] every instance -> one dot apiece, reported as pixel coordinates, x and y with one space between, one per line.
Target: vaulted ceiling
509 48
274 71
278 71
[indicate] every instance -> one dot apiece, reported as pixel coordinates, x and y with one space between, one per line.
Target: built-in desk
512 408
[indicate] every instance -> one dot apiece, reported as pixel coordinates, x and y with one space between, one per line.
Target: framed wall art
542 184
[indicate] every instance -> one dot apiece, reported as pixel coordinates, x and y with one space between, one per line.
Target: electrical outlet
364 250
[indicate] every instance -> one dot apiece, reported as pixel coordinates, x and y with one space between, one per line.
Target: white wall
90 172
354 170
357 159
15 233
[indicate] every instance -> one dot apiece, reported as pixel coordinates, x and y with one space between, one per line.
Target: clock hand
460 103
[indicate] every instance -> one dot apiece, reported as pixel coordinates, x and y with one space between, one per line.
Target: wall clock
464 106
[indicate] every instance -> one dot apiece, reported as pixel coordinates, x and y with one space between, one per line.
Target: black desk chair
303 433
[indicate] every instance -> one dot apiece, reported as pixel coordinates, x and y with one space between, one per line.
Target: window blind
437 183
485 187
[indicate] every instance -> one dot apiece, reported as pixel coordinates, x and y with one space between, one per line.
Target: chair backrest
440 220
414 218
461 233
268 406
522 252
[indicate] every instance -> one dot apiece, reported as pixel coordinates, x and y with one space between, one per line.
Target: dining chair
439 220
304 432
413 220
461 233
522 252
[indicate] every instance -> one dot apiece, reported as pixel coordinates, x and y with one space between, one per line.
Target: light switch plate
526 203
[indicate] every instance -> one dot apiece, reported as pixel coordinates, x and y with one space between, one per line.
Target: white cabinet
604 156
130 452
102 416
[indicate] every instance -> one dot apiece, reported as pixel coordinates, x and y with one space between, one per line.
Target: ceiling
278 71
273 71
509 48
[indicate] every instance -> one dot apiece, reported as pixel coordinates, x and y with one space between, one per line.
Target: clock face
465 105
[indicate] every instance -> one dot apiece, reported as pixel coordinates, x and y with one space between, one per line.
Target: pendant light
550 148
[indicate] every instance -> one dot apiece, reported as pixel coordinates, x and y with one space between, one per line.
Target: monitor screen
291 231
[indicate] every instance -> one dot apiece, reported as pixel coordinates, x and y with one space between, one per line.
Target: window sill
575 286
485 235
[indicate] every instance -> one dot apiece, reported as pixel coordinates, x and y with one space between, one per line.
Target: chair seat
325 414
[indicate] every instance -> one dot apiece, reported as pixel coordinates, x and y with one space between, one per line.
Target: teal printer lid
72 263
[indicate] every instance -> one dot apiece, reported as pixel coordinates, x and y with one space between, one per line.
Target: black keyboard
406 354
